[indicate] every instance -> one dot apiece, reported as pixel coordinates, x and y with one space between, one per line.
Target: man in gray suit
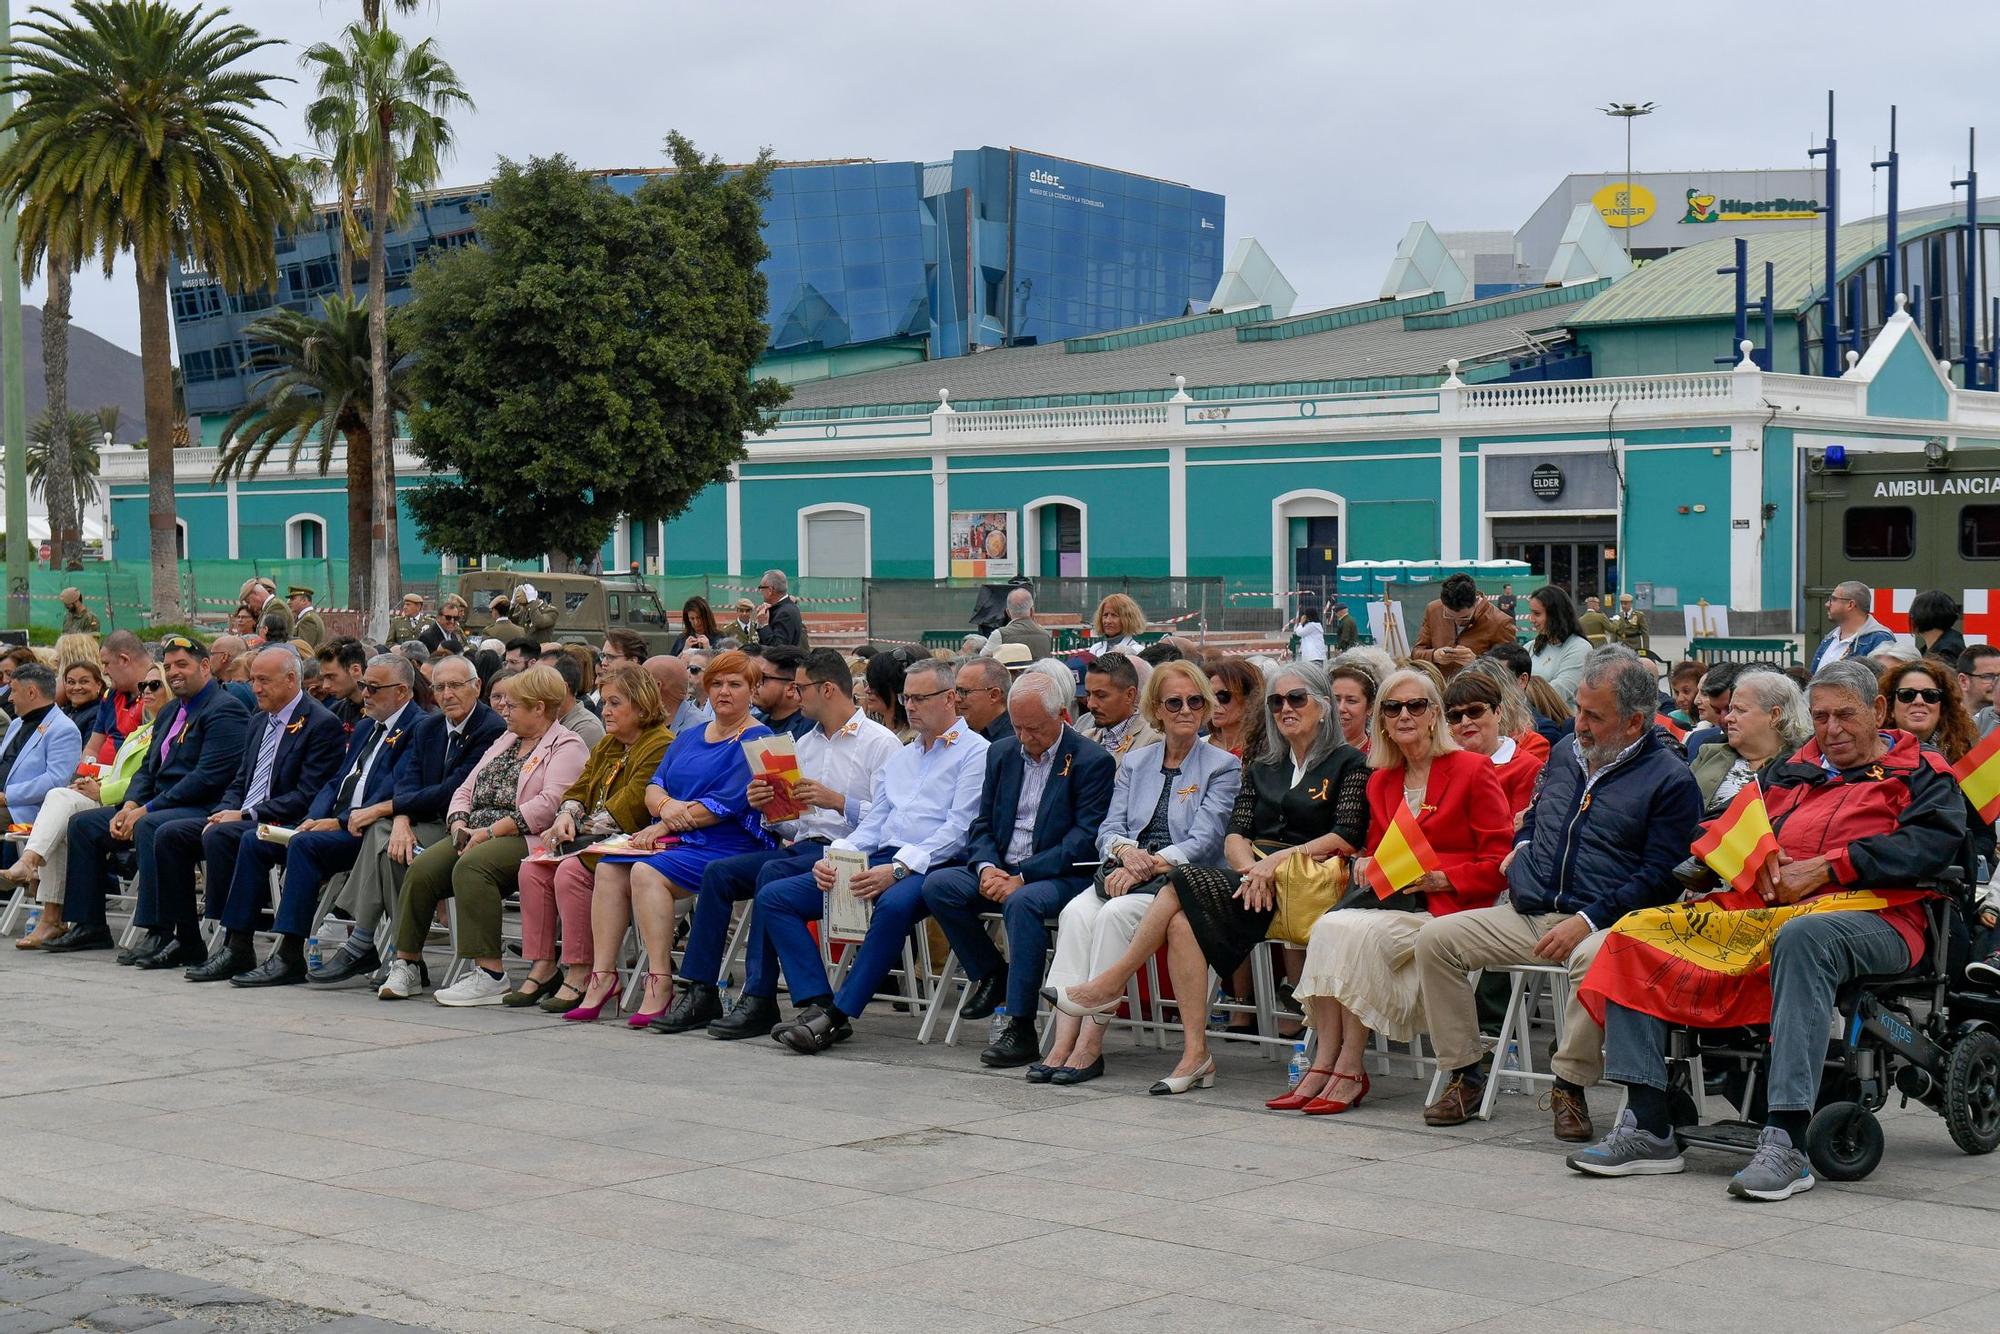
1021 627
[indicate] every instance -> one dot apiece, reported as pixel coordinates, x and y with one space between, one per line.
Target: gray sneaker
1777 1171
1629 1152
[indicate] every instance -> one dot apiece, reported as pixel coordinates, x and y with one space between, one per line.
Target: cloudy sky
1329 126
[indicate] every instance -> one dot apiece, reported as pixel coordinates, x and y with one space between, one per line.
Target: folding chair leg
943 988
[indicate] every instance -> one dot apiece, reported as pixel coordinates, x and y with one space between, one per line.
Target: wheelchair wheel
1844 1141
1972 1093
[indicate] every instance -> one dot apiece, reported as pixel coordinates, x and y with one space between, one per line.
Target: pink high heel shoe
643 1018
588 1014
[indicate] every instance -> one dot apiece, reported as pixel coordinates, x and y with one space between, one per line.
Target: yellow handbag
1307 891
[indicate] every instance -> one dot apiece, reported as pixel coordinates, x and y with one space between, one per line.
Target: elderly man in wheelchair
1867 826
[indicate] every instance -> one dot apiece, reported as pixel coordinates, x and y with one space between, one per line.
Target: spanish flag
1402 855
1670 727
1978 775
1740 841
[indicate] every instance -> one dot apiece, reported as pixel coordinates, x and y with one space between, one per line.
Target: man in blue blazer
196 748
441 749
356 797
1030 851
40 750
292 747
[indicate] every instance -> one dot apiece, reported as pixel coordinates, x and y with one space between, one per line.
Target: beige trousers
1453 946
50 841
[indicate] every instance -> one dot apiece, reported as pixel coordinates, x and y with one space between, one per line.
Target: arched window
180 539
305 537
835 541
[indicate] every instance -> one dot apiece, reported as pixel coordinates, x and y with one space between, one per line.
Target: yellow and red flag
1738 842
1670 727
1402 856
1978 776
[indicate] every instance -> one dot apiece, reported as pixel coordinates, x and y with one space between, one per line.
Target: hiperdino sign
1901 488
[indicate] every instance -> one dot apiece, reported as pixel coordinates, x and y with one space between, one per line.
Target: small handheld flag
1403 855
1979 775
1740 841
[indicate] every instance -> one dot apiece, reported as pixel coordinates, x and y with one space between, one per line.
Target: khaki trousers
1451 947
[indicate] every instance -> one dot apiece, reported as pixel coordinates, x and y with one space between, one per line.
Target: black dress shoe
1016 1045
175 954
276 971
751 1016
223 965
344 965
152 944
88 936
983 997
697 1006
813 1031
1078 1074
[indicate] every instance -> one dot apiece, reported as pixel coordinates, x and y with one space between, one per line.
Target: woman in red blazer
1360 972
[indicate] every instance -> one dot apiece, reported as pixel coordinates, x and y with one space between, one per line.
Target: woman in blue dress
699 795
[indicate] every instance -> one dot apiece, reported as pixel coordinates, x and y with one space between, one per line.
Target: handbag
1307 891
1110 864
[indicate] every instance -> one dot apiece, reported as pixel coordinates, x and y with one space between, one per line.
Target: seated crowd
1064 821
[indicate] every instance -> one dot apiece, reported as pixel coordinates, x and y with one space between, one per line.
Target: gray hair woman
1765 722
1305 793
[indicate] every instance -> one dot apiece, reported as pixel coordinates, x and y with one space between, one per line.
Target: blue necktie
267 756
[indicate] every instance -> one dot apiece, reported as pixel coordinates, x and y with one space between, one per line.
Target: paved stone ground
488 1170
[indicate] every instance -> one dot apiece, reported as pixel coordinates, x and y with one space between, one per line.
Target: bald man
671 676
223 651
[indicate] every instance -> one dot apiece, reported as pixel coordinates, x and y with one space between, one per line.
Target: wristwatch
898 870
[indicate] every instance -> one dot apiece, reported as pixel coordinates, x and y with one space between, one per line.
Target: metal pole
1892 259
1628 188
13 384
1770 318
1968 278
1829 325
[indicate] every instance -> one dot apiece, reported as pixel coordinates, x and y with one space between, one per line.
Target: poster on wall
982 544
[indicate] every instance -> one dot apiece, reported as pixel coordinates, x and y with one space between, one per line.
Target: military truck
586 606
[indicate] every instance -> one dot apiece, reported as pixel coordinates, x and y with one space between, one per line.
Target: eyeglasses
453 619
967 692
148 687
1395 708
909 699
1988 677
370 687
1911 694
1184 704
1295 700
1475 712
1224 696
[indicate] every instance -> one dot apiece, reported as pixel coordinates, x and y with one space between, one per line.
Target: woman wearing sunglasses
1474 710
1168 808
1237 722
1304 793
1924 701
1360 971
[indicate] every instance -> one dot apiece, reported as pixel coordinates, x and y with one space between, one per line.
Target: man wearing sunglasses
445 633
196 747
1855 633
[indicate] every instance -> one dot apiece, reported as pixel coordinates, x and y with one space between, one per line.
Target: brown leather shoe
1456 1105
1572 1115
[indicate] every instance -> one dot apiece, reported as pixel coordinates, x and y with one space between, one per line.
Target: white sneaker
403 981
477 987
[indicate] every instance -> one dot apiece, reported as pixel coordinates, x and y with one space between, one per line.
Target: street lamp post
1628 112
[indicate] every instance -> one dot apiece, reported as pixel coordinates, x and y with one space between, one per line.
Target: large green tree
381 116
137 132
320 391
590 357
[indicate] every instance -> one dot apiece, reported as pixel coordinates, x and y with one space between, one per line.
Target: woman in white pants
44 858
1168 808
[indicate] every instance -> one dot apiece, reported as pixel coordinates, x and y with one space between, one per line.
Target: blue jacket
1197 814
308 749
1872 635
381 777
1613 848
423 784
204 758
47 761
1074 800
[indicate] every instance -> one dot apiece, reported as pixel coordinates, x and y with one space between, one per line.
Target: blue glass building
871 263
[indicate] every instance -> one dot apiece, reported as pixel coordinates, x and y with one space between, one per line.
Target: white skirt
1365 958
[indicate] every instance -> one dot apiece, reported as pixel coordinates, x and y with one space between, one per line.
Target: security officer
77 618
306 623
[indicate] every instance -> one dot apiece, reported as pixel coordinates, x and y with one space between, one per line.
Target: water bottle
723 993
34 920
312 952
1300 1064
1511 1061
332 933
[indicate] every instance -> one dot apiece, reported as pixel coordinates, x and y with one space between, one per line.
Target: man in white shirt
924 802
839 760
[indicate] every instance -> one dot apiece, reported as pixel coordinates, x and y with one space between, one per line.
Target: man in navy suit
440 750
197 745
329 837
292 747
1047 790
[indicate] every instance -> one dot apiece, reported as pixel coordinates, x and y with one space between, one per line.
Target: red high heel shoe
1291 1100
1324 1106
644 1019
588 1014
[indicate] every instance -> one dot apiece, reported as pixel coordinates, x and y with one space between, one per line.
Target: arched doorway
1308 541
1055 537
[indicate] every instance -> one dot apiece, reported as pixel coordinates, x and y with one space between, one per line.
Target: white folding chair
1529 986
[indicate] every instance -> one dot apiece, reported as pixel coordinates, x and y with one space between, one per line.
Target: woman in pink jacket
512 792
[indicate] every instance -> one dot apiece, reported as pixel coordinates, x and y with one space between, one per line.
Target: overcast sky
1330 127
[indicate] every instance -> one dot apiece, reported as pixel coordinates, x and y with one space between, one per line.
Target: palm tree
80 446
321 389
382 104
137 132
65 521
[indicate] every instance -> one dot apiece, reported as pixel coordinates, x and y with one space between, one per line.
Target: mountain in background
101 375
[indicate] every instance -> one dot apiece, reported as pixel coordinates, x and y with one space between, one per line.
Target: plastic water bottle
312 952
1300 1064
34 920
1511 1061
723 994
